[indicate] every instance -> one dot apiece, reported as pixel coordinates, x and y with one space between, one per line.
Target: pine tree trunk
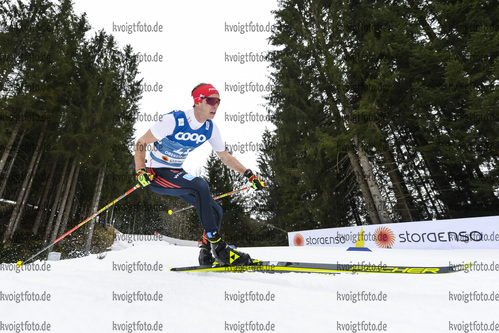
94 208
380 205
111 221
43 204
404 199
28 191
62 207
75 208
11 165
355 212
69 208
53 211
8 148
364 188
24 191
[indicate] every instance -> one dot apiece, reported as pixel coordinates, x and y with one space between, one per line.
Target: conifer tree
66 103
393 98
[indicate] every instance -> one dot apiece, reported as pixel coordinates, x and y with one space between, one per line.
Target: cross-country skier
173 138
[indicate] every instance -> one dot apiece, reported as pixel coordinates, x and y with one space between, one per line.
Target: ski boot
224 254
205 256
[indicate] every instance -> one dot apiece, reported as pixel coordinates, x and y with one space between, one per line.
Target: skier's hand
143 177
256 182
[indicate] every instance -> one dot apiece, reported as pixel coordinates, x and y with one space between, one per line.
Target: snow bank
131 289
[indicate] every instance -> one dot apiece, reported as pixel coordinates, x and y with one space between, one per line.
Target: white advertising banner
469 233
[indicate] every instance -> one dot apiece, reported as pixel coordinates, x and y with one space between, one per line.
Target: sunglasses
212 100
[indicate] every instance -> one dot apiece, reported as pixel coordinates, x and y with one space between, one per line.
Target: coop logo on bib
198 138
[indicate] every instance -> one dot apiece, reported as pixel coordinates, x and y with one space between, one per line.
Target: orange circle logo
298 240
384 237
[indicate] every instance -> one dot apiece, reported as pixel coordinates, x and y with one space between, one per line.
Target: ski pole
215 198
19 263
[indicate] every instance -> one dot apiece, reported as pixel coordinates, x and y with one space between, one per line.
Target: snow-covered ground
132 289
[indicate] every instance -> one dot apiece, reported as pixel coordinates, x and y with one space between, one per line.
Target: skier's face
206 110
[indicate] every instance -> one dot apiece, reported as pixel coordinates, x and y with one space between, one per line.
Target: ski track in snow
82 293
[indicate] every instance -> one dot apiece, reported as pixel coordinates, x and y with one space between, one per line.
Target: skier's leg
195 191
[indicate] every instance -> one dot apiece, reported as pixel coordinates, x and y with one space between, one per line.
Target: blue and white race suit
178 134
